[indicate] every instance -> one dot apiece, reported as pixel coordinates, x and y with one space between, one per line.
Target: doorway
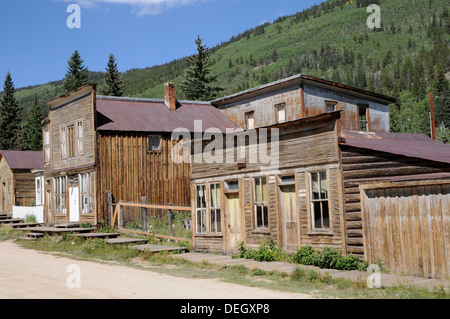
74 204
289 217
233 222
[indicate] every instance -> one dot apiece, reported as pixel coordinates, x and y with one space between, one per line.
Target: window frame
329 102
215 210
277 108
150 137
201 210
264 204
70 141
63 138
46 145
80 129
311 200
364 107
85 193
60 189
247 126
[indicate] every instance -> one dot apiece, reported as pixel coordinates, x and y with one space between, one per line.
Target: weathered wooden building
17 184
342 182
94 145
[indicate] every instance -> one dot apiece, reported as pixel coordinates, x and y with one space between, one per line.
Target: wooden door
289 216
74 206
233 223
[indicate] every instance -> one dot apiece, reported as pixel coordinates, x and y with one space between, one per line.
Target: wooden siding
24 188
362 166
127 169
6 175
408 228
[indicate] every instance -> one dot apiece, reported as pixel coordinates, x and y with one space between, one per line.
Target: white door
74 206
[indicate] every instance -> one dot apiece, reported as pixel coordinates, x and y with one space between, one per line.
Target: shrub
263 253
328 258
305 255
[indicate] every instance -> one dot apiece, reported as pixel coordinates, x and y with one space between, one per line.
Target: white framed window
154 143
46 145
85 193
200 209
320 208
63 142
38 184
80 137
215 208
260 203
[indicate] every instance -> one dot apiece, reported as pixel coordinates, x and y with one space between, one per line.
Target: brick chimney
169 96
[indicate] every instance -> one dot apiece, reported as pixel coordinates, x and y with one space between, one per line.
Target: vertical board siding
130 171
408 228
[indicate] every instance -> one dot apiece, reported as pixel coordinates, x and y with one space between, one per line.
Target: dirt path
32 274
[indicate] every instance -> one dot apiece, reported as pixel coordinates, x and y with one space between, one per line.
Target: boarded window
200 211
60 195
320 210
46 145
260 203
215 207
280 110
154 143
250 119
80 137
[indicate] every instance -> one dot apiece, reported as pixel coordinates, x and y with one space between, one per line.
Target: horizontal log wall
361 166
127 169
24 188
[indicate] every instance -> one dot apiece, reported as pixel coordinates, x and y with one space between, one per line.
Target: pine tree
33 127
10 116
198 83
76 74
112 79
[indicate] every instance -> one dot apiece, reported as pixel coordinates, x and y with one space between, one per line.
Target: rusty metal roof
152 115
406 144
23 159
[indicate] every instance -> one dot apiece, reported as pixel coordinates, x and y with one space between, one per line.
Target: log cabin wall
304 149
24 188
128 169
6 187
361 166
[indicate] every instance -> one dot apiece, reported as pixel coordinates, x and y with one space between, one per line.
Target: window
363 121
200 212
63 143
232 186
60 195
280 112
70 141
46 145
260 203
85 193
9 192
154 143
38 191
250 119
331 106
319 201
215 206
80 137
288 179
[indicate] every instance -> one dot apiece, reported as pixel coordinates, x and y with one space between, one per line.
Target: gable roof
23 159
406 144
152 115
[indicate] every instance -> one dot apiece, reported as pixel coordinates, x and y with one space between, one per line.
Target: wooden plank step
55 230
97 235
10 221
35 235
158 248
126 240
22 225
5 216
67 225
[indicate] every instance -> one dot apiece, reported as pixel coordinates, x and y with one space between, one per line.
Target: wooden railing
117 217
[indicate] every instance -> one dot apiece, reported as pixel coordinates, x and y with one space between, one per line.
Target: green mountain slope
407 58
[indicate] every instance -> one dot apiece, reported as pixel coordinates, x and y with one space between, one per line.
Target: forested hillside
407 58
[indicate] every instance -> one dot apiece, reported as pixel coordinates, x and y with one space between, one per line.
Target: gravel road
30 274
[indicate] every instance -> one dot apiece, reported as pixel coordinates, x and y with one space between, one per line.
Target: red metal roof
23 159
406 144
148 115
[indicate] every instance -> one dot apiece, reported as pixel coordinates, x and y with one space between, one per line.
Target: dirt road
32 274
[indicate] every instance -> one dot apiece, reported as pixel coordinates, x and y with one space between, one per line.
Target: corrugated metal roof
150 115
406 144
23 159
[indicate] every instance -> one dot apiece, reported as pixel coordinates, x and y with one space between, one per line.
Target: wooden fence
123 214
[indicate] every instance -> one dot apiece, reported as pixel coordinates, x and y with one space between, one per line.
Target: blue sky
36 43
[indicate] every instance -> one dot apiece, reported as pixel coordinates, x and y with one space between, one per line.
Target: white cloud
140 7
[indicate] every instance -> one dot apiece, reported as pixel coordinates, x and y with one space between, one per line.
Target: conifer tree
10 116
198 83
114 85
34 127
76 74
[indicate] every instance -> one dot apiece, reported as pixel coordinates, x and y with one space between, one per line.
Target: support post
109 208
144 214
170 221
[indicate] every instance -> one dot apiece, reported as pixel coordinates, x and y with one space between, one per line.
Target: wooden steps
23 225
158 248
7 221
97 235
126 240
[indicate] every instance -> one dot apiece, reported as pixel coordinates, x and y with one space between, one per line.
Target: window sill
320 233
218 235
264 231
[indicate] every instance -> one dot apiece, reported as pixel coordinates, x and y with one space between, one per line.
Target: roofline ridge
148 100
